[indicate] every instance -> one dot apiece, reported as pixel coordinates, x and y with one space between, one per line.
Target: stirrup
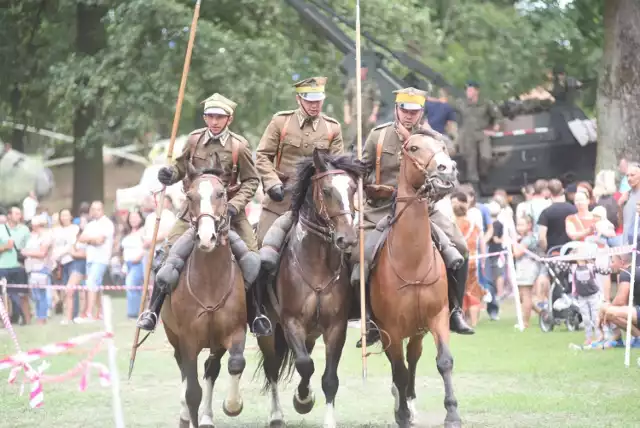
260 317
155 319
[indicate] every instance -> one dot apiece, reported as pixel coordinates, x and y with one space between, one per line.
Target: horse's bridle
325 232
222 222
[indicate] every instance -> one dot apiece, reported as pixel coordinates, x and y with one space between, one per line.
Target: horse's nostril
340 240
442 167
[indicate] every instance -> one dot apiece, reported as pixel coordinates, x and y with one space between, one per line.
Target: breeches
475 144
451 229
240 224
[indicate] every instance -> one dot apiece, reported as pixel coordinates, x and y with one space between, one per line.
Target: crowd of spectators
579 217
82 253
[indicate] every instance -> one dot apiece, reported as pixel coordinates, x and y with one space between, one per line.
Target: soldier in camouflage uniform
384 145
370 107
478 119
290 137
201 149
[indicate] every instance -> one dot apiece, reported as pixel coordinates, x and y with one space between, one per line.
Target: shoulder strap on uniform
383 133
283 134
330 133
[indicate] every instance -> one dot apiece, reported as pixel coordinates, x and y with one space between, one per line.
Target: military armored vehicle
536 141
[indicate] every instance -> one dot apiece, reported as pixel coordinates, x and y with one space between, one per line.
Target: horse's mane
305 170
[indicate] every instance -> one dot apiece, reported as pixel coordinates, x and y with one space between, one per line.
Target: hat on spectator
472 84
219 104
311 89
410 98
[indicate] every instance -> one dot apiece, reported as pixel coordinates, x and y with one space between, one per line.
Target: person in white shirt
29 207
98 236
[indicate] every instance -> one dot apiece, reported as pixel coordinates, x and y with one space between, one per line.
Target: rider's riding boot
457 281
259 323
451 256
373 335
274 240
167 279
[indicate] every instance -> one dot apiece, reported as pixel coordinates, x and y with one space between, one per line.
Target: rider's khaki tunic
204 149
277 157
377 209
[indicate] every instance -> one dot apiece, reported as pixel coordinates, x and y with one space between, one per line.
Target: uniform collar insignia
223 137
305 118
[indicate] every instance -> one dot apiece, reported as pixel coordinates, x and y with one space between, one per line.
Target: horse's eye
220 194
326 191
414 148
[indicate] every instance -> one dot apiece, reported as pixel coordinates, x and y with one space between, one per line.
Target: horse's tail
282 353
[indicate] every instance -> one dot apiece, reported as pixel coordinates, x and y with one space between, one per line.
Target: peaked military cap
311 89
410 98
219 104
472 84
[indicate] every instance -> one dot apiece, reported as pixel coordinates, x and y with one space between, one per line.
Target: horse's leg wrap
273 241
248 261
451 256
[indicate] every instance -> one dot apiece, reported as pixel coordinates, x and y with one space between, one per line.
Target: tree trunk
17 135
88 167
619 86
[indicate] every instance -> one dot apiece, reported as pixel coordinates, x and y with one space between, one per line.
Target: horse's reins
223 227
420 196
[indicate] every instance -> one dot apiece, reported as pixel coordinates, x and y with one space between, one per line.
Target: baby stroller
560 306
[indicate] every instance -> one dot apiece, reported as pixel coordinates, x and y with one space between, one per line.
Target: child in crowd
495 264
527 266
587 292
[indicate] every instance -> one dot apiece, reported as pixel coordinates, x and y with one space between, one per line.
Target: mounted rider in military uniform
290 137
203 148
382 153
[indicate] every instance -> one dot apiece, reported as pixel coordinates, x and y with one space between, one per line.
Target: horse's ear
216 162
318 161
191 171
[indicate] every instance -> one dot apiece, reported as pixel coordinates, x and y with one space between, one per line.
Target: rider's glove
167 175
231 211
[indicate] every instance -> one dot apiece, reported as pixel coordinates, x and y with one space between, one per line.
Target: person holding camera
13 238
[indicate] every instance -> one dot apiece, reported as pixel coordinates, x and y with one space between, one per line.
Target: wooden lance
363 296
160 204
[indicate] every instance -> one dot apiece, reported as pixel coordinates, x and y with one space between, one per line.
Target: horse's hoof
403 419
184 424
304 406
278 423
206 421
231 412
452 424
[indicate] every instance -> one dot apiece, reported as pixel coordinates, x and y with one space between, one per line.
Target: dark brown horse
208 308
409 283
312 294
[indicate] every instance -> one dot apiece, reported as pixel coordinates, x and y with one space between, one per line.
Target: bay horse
208 307
408 284
312 295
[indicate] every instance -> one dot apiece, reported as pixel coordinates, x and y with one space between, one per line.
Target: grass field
503 378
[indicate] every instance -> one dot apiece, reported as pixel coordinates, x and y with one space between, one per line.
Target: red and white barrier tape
51 349
520 132
487 255
36 397
587 255
79 287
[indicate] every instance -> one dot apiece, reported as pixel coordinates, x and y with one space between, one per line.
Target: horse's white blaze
234 401
442 158
329 416
184 409
341 182
276 410
206 224
206 409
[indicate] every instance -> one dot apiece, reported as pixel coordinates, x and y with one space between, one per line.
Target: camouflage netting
512 109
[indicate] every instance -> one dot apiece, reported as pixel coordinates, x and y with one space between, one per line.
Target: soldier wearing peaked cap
382 156
241 179
290 137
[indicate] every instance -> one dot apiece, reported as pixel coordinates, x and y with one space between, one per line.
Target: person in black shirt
495 264
617 312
